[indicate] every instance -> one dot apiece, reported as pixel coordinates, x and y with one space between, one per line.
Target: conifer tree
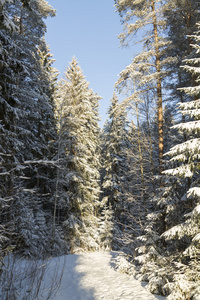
181 18
26 115
185 156
106 228
139 15
172 234
7 116
115 180
5 20
142 160
183 234
77 106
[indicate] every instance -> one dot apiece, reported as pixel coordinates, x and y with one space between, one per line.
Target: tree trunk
141 162
159 90
151 151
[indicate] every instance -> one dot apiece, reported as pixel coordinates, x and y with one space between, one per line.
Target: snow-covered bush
23 278
106 228
123 265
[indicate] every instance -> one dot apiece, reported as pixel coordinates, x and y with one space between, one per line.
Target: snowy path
91 277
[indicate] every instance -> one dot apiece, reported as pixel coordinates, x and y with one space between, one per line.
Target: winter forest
66 185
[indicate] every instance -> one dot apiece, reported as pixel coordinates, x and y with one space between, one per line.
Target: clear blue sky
88 29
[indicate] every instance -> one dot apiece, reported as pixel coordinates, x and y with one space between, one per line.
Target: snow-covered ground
91 276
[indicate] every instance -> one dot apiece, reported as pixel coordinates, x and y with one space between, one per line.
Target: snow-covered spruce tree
115 180
6 21
35 94
140 183
61 197
49 162
7 115
185 163
181 18
78 131
28 97
172 258
10 112
106 228
143 158
165 210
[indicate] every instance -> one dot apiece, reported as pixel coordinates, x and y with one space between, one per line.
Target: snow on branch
41 161
195 191
189 126
190 145
32 191
183 171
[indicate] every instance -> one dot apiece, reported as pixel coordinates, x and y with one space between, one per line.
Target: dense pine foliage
68 186
76 107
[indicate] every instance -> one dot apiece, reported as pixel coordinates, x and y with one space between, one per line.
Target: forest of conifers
68 186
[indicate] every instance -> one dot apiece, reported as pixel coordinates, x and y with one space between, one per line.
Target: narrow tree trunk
159 90
56 191
151 153
141 160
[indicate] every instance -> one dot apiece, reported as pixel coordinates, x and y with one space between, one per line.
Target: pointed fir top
74 68
113 108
